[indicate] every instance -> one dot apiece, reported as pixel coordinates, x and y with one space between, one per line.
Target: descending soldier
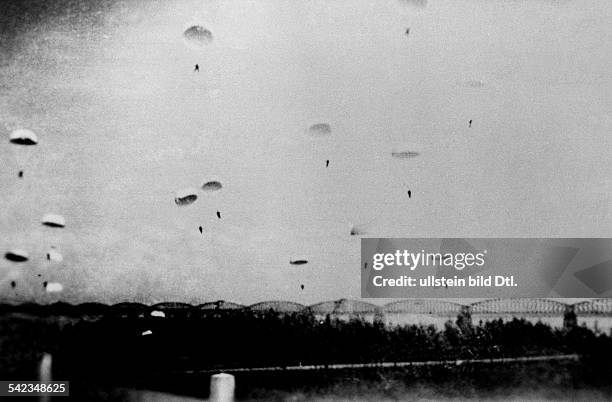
24 140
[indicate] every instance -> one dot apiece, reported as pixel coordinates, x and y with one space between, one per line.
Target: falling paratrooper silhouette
196 69
409 194
13 284
407 31
20 174
200 228
218 214
302 286
327 163
470 123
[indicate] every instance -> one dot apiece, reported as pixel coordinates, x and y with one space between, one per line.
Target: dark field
524 381
108 357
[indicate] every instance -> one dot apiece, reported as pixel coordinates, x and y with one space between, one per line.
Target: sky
124 122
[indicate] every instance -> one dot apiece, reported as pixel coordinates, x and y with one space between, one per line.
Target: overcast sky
123 122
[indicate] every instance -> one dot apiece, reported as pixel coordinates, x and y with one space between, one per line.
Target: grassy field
525 381
109 358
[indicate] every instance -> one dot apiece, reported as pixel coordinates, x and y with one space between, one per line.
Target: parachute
185 196
23 137
17 255
157 313
414 3
54 287
356 231
198 35
363 228
402 153
54 255
472 84
54 220
212 185
298 262
147 332
24 141
319 130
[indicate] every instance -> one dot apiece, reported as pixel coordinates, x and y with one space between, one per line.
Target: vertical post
222 388
44 373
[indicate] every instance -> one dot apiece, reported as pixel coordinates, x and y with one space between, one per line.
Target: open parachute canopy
472 83
362 228
54 287
53 220
54 255
357 230
404 151
298 262
198 35
414 3
16 255
212 185
319 130
404 154
185 196
23 137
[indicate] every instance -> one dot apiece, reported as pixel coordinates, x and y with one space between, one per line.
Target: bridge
594 313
